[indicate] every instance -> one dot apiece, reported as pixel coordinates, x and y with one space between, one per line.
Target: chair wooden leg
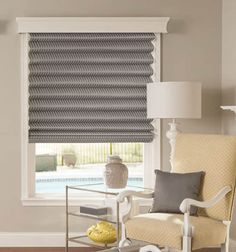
150 248
125 242
187 244
225 247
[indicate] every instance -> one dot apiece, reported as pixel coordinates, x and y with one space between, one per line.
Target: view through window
62 164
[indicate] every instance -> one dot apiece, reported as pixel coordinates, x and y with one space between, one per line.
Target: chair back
216 156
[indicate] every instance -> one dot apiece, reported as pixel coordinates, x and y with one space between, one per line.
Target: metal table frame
79 239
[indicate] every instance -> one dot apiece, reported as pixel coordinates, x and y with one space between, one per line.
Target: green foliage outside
46 162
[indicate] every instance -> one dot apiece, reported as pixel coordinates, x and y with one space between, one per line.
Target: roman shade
89 87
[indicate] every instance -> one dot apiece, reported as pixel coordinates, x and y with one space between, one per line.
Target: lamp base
171 135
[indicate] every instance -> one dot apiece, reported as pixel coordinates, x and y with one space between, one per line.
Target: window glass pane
58 165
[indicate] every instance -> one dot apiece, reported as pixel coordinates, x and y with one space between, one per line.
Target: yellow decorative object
102 232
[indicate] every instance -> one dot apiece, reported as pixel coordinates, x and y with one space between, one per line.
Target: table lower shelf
83 239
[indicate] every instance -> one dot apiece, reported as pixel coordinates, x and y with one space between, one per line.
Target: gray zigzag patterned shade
89 87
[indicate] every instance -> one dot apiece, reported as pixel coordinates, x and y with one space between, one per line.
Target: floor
72 250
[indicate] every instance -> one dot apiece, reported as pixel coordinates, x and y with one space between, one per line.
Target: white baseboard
34 239
48 239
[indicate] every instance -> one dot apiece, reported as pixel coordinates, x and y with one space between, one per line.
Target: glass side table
114 217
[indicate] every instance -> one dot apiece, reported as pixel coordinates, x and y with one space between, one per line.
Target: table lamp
173 100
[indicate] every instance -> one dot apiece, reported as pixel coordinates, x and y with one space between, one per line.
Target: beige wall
229 75
191 51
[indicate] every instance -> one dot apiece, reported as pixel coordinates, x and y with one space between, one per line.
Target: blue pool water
57 185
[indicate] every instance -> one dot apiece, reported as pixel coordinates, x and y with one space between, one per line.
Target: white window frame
152 151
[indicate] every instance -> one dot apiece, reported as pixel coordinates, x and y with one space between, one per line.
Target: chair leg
187 244
125 242
150 248
225 247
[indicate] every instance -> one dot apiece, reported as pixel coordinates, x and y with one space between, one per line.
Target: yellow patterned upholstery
216 155
166 230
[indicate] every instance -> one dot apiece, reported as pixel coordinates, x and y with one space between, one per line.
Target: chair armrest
129 193
186 203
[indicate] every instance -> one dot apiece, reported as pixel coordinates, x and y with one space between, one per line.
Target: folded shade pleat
91 58
94 126
59 79
89 137
88 104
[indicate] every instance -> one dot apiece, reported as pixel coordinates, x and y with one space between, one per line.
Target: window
96 124
58 165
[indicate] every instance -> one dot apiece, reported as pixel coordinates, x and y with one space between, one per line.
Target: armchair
216 156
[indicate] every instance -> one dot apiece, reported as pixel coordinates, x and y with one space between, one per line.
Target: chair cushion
172 188
167 230
216 156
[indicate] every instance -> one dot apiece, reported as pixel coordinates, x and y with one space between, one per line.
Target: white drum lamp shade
174 100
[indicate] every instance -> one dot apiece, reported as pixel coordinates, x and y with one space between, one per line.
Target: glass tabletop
102 188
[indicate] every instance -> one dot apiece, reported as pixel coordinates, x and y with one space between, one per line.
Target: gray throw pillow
172 188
